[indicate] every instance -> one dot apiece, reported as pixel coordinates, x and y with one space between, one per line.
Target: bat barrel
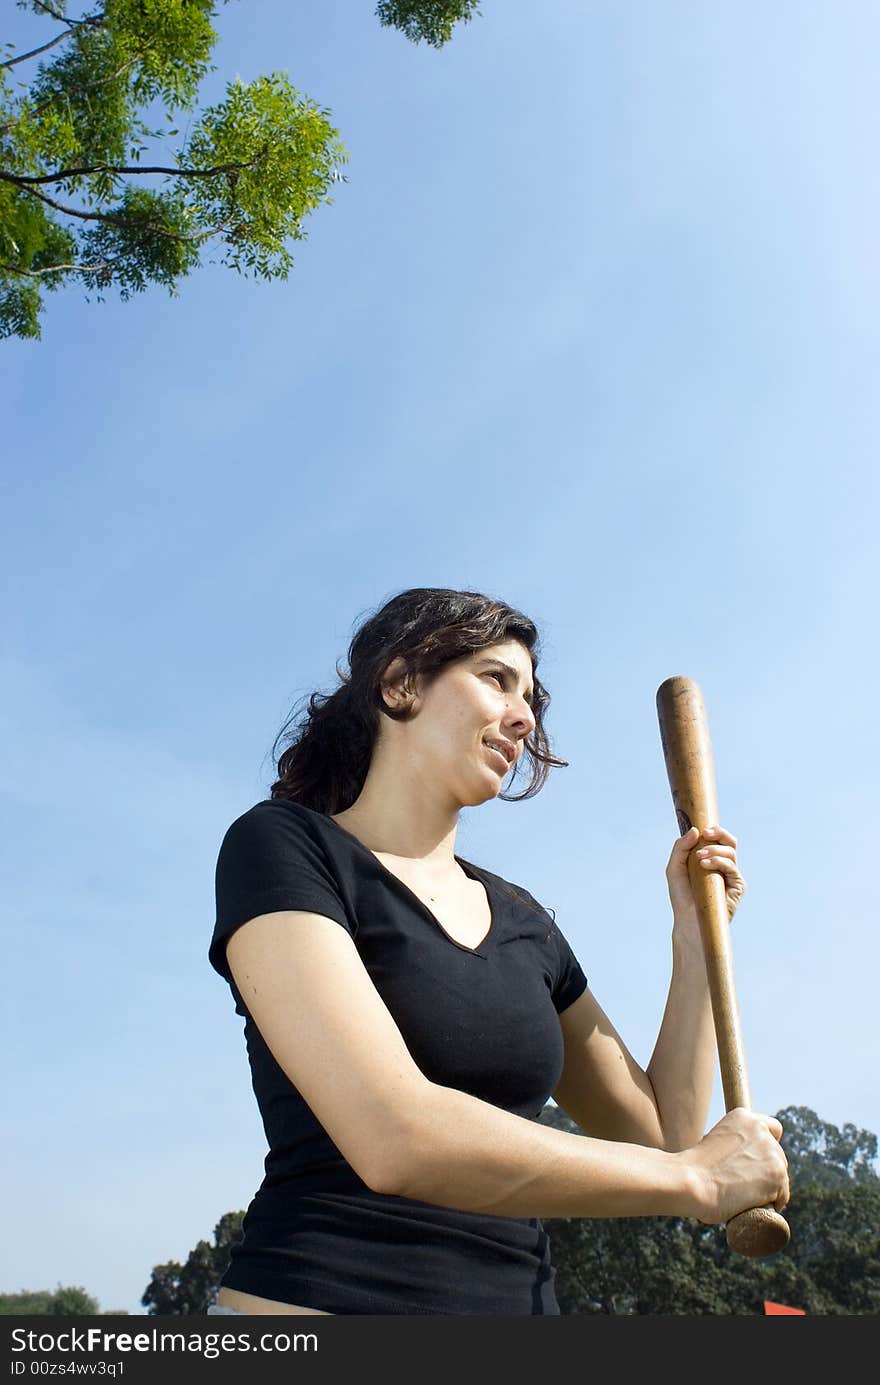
687 750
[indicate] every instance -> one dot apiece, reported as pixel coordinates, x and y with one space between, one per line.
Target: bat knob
758 1231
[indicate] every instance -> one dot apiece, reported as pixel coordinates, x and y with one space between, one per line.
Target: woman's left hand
715 849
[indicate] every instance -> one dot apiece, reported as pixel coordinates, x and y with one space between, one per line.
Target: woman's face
481 697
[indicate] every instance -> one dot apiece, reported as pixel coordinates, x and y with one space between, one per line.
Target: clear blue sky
592 327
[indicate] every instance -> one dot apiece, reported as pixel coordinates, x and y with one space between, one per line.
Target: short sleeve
565 977
571 982
271 859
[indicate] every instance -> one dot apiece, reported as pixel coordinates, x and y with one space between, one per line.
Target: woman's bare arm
664 1105
313 1001
609 1095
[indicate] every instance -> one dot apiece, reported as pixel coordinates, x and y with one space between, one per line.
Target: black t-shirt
483 1020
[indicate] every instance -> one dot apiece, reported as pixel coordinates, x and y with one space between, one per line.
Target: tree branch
74 24
57 268
58 206
114 219
35 52
65 19
24 180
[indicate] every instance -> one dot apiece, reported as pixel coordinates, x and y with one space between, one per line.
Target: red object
770 1308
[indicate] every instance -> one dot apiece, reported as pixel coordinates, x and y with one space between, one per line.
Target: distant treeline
67 1301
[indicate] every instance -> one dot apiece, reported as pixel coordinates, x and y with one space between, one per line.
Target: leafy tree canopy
820 1153
431 20
94 192
177 1289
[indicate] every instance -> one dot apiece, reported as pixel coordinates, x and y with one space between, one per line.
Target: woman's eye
500 676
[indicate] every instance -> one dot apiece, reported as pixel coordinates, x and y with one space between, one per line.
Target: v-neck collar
471 871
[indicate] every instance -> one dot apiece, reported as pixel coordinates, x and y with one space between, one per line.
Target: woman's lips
498 755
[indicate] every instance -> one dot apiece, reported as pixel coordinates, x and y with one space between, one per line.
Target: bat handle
758 1231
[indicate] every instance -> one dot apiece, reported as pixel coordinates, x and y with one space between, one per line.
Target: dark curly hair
329 751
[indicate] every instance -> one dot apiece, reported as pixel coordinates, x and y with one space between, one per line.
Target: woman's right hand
739 1164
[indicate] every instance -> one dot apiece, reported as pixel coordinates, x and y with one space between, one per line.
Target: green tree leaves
147 238
279 157
191 1288
251 170
167 42
820 1153
67 1301
431 20
78 201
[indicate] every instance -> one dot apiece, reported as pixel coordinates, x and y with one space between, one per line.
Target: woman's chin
490 789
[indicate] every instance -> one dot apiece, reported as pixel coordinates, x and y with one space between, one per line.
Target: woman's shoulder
277 827
291 829
281 811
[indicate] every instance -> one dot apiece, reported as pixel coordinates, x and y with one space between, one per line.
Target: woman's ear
396 684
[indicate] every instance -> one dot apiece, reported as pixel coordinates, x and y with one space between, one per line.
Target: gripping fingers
720 859
717 839
784 1196
774 1128
716 851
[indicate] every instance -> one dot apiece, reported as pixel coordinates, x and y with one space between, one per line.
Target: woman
408 1013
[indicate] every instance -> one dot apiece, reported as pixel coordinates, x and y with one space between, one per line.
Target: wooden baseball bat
687 749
